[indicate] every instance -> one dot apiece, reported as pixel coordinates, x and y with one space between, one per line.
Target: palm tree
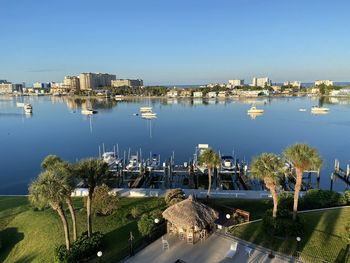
65 172
93 172
303 157
46 191
211 159
269 167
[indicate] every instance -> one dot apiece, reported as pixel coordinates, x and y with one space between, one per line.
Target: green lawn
322 239
30 236
256 208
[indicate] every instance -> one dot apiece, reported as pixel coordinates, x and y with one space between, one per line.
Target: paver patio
212 250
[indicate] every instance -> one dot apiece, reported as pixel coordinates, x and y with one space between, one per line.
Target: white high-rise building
261 82
236 82
326 82
295 83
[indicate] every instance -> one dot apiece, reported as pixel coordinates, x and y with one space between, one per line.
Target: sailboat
146 111
89 110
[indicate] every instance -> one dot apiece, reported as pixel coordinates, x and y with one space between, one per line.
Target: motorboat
253 109
110 158
88 111
317 109
302 109
227 163
133 163
149 115
28 108
199 151
254 115
145 109
154 162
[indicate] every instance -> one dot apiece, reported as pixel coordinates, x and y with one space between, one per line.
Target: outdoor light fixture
298 239
99 254
228 216
156 220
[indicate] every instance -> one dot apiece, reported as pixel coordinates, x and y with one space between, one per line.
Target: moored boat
253 109
316 109
88 111
28 108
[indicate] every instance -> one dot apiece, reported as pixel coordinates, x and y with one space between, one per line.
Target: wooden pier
343 174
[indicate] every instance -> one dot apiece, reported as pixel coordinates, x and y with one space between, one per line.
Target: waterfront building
236 83
222 94
59 88
345 92
326 82
8 87
40 85
172 93
197 94
71 82
254 82
295 84
211 94
127 83
91 81
276 89
185 93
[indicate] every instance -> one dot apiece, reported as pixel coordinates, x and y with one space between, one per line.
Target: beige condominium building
236 82
91 81
71 82
127 83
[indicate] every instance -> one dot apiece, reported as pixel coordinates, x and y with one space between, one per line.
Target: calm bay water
57 127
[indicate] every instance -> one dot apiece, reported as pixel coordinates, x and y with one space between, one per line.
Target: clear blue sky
175 41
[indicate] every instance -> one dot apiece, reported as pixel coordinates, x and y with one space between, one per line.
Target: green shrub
83 248
174 196
283 225
285 201
147 224
317 198
136 211
104 203
347 196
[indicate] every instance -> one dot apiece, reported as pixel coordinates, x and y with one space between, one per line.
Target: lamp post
298 246
131 238
228 216
156 220
99 255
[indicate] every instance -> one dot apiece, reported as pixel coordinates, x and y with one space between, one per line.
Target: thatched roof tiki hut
189 219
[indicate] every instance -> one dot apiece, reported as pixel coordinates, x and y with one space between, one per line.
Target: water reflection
254 115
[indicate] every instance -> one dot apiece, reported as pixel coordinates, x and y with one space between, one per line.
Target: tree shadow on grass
9 237
26 259
115 243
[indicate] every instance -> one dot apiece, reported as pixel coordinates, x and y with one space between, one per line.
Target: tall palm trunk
299 177
73 216
60 212
272 187
209 182
88 211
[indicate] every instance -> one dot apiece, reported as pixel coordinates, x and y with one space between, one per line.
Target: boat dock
135 171
342 174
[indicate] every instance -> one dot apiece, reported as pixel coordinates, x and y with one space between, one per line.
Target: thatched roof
190 213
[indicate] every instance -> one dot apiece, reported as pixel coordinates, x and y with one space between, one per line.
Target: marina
58 127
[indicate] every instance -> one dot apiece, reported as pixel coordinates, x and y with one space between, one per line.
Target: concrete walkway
214 249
